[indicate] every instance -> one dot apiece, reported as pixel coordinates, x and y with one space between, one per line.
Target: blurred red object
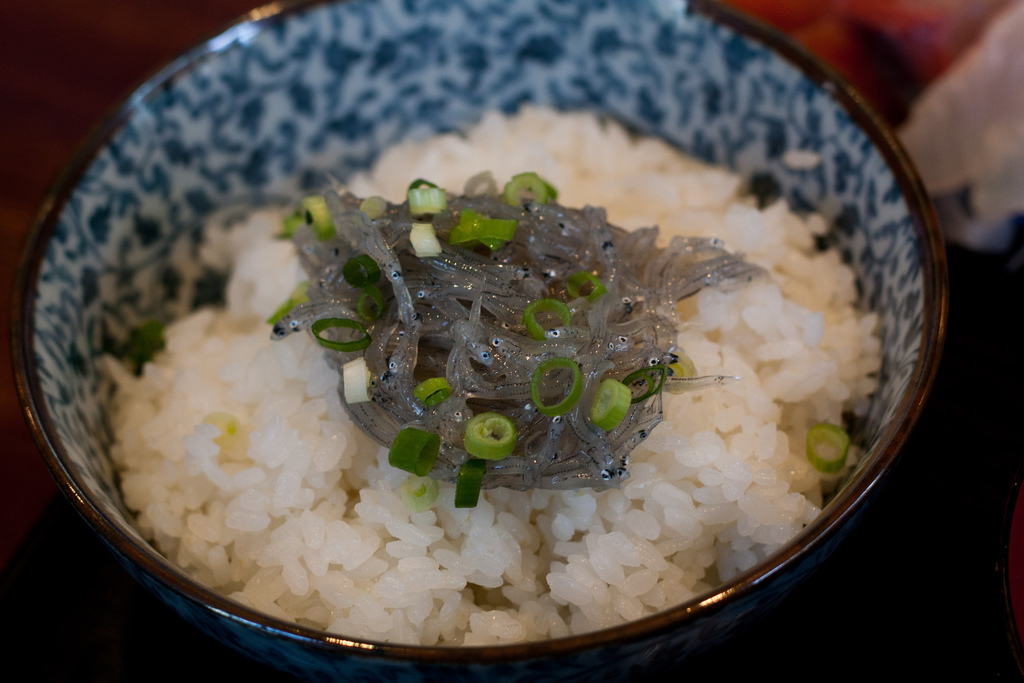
888 49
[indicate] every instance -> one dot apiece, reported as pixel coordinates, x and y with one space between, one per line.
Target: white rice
298 513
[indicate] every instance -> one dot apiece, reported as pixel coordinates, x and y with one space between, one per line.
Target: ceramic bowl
262 111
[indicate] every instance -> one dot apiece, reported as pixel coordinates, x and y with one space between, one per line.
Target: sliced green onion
576 282
827 447
361 270
425 198
541 190
491 232
355 376
544 306
352 345
370 304
491 436
611 404
646 374
143 343
574 391
228 426
291 223
373 207
298 296
318 215
432 391
424 240
467 486
414 450
683 367
419 493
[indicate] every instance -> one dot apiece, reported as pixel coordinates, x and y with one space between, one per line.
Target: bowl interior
271 107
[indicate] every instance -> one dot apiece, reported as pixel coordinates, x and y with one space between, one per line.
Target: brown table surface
65 63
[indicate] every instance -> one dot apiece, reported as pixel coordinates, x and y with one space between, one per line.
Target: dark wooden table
916 587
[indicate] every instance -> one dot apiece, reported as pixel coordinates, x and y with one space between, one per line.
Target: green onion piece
143 343
646 375
491 232
298 296
370 304
361 271
373 207
419 493
352 345
414 450
611 404
425 198
318 216
683 367
491 436
544 306
424 240
467 486
432 391
827 447
528 182
227 424
291 223
576 282
574 391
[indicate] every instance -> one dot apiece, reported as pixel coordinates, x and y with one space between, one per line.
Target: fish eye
395 275
293 324
484 355
495 342
606 475
393 365
554 333
626 300
421 294
652 361
623 339
556 419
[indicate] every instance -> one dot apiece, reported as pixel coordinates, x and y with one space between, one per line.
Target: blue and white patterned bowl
264 110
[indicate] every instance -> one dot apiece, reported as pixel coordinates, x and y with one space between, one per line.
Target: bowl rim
812 538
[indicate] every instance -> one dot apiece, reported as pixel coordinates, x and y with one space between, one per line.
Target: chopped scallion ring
373 207
611 404
319 216
432 391
683 367
291 223
491 232
827 447
573 395
355 375
352 345
414 450
491 436
576 282
424 240
370 305
143 343
532 183
646 375
544 306
361 270
425 198
419 493
298 296
469 482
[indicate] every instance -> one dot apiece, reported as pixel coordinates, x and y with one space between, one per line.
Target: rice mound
297 513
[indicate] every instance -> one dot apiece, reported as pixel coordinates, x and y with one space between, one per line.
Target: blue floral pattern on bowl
271 107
